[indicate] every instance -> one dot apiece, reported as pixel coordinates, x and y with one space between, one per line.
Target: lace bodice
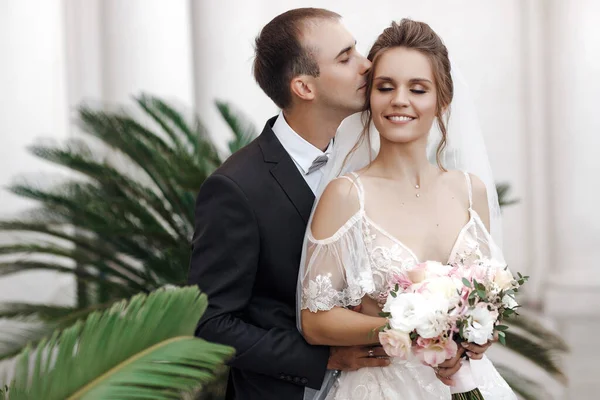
361 256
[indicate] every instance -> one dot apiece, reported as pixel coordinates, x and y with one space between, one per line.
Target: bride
396 197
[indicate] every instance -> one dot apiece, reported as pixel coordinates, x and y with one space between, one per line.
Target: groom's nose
365 66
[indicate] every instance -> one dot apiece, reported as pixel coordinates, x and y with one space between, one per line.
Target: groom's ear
303 87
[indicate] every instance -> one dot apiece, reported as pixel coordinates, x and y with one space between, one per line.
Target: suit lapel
285 172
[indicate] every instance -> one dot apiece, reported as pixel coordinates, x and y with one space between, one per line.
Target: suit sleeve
224 263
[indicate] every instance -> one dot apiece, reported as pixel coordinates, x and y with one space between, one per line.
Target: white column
537 225
574 125
146 47
84 51
33 104
573 290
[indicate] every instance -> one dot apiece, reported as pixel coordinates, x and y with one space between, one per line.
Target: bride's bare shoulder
457 180
336 206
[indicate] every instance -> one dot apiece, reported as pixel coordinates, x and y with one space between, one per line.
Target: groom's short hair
280 56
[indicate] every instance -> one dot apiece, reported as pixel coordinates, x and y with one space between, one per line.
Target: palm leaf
531 325
114 354
540 354
19 334
526 388
502 189
34 322
243 130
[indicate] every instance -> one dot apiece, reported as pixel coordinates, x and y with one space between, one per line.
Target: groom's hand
356 357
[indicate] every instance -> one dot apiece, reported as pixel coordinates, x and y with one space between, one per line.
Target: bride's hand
445 370
475 351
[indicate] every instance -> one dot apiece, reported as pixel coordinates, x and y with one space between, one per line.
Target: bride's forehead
403 62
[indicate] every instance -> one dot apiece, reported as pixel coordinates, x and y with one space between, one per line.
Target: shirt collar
301 151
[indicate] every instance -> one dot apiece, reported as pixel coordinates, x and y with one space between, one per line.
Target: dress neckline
472 215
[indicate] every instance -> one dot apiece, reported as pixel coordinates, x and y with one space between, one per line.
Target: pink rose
401 280
395 343
433 352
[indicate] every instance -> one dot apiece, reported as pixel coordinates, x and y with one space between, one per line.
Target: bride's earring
418 187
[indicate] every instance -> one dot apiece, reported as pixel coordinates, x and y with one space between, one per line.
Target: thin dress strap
359 188
469 188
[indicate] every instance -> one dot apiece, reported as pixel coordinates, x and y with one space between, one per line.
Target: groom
251 213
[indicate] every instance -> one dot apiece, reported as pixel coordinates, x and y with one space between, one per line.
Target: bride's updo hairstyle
417 36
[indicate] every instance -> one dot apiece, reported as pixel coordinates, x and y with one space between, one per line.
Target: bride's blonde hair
417 36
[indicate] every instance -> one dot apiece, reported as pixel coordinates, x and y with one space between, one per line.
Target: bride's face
403 98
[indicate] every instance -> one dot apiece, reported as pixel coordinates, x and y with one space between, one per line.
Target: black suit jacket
251 216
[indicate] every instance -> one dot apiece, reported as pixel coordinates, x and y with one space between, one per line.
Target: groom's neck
316 127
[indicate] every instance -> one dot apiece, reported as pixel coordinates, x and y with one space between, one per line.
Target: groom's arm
225 254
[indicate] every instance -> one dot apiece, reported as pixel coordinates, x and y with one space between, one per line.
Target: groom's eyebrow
345 50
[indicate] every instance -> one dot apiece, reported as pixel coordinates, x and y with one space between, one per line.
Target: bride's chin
399 138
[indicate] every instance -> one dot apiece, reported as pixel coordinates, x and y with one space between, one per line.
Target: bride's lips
400 119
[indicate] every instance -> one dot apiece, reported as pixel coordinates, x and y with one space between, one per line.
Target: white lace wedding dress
356 261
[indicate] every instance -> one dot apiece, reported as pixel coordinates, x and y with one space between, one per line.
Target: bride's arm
480 200
340 327
337 326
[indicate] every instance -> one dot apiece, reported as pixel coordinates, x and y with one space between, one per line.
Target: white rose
509 301
435 317
480 328
446 287
395 343
503 278
408 311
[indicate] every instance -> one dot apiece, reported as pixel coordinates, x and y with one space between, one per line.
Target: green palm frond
42 311
526 388
531 326
34 322
143 348
243 130
539 353
132 219
503 189
21 332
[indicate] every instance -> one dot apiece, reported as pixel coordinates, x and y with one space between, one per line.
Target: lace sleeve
338 272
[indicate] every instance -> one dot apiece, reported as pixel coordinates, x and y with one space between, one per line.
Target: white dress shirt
302 152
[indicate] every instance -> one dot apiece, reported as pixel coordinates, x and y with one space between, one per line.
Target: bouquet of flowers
433 306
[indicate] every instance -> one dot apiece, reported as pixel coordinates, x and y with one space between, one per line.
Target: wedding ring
371 353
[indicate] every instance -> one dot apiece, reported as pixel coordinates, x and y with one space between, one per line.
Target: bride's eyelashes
389 89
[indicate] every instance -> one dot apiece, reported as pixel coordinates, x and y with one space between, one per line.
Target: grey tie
318 163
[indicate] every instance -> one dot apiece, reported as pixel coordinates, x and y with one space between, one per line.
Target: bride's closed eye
389 89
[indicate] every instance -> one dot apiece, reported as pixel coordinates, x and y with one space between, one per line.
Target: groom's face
342 79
